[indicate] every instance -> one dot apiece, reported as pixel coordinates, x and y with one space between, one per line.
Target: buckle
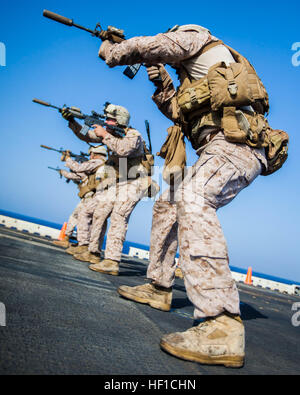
233 88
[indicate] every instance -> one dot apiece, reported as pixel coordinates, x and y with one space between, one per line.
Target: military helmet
119 113
98 149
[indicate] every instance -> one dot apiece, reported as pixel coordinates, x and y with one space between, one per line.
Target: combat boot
77 250
62 243
88 256
157 297
217 341
107 266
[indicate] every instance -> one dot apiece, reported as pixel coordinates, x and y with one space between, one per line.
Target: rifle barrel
52 149
58 18
65 21
44 103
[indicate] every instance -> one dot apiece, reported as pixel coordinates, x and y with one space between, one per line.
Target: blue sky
59 64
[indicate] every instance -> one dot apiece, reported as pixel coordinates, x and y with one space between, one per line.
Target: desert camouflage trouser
117 202
84 225
73 219
221 172
163 241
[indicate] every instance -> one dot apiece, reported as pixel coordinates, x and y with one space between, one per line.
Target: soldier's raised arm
171 47
165 90
70 175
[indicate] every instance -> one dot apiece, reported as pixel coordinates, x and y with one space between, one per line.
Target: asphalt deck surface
62 318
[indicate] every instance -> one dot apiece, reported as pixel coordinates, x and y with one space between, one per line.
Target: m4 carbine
89 120
58 170
79 158
112 33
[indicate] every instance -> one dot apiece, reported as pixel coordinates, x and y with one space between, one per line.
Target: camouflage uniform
83 170
221 172
73 219
163 241
119 199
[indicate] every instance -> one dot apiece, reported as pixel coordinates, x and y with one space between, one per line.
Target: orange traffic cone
248 280
62 234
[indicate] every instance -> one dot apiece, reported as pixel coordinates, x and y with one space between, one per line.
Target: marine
127 176
81 173
220 107
73 219
98 156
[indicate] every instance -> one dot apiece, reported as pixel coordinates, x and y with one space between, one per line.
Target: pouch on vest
229 86
173 151
83 190
149 187
131 168
195 96
277 150
259 93
244 127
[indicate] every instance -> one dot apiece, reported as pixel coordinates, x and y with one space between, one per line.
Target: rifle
148 134
112 33
82 157
58 170
89 120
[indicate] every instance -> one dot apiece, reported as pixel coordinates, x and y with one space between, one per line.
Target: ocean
128 244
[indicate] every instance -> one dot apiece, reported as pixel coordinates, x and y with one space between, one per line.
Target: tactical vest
90 186
222 100
216 100
145 161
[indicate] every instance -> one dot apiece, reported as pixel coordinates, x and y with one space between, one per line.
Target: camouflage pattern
80 172
69 175
171 48
129 146
86 168
119 199
85 221
163 242
118 202
221 172
73 219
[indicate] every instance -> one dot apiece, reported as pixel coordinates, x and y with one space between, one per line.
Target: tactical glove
153 72
158 75
104 35
65 155
65 112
